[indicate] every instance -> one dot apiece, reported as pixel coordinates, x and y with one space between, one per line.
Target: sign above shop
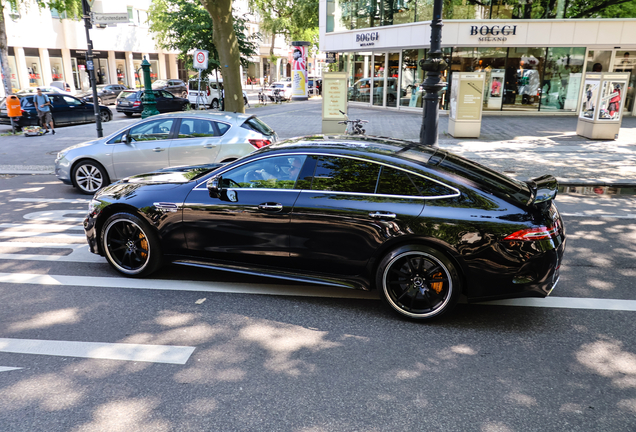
330 57
367 39
495 33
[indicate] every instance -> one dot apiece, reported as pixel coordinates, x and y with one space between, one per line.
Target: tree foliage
295 19
184 25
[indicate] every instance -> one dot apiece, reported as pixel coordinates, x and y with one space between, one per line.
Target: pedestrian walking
43 107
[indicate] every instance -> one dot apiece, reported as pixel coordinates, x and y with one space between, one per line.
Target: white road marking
97 350
57 215
79 252
612 216
7 368
52 200
569 303
41 227
180 285
54 236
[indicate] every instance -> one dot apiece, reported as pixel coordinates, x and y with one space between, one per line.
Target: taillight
259 143
136 104
533 234
208 92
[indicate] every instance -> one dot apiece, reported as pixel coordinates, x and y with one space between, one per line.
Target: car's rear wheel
130 245
185 106
89 176
215 104
104 116
418 282
99 101
184 94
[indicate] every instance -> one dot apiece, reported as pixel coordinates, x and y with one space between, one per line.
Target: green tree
173 32
294 19
71 7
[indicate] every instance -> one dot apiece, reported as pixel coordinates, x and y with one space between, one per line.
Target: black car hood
173 175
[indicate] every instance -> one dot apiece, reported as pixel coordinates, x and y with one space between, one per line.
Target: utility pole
90 66
433 66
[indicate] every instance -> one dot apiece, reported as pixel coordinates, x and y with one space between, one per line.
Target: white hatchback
208 95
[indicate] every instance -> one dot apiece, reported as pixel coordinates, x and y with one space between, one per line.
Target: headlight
94 207
60 155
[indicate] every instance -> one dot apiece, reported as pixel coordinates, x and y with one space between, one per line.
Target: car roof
219 116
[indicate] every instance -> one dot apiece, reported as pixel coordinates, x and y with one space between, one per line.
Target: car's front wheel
89 176
130 245
418 282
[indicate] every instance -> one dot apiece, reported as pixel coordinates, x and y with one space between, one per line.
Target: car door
250 223
79 112
346 210
197 142
170 101
146 149
60 110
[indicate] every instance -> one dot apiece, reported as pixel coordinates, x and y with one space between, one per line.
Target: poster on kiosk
602 103
299 70
466 101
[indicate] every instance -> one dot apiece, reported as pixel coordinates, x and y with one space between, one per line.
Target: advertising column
334 102
602 105
466 101
299 70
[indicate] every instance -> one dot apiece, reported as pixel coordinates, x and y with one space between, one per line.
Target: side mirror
125 138
215 187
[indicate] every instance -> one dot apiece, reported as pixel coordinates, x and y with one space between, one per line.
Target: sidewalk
522 146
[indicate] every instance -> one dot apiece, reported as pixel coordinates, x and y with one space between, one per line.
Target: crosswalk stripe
45 235
609 216
7 368
41 227
171 354
52 200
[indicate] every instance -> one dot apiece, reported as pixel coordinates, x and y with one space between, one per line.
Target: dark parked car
174 86
106 93
129 102
66 110
422 226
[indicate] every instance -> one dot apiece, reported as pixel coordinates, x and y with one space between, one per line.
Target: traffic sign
200 59
89 65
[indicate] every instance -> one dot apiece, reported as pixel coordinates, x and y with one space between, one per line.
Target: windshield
127 95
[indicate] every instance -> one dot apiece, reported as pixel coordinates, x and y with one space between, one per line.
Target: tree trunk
4 53
226 44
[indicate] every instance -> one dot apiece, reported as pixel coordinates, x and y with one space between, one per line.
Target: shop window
562 78
35 71
412 77
57 69
523 78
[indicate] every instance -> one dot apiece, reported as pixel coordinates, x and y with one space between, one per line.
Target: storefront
34 67
57 65
530 65
121 70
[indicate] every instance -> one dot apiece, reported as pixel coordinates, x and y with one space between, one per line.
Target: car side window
151 131
196 128
167 95
345 175
398 182
71 101
58 100
278 172
222 127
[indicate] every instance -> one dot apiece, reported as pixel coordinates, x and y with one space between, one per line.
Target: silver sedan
161 141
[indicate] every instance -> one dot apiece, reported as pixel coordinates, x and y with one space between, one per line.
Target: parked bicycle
262 98
354 127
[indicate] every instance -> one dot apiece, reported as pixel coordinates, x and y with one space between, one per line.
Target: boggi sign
367 39
493 33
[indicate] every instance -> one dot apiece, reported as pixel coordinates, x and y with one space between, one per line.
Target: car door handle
382 215
209 146
270 206
158 149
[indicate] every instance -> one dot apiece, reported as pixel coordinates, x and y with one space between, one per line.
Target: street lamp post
433 66
90 67
148 98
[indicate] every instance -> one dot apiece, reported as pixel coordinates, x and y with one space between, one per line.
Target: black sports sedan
422 226
106 93
129 102
66 110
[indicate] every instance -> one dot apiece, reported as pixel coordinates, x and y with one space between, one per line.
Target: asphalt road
82 349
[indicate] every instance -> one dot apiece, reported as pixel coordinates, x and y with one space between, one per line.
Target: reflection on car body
420 225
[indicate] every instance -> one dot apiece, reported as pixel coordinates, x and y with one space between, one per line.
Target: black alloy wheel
130 246
418 282
89 176
104 116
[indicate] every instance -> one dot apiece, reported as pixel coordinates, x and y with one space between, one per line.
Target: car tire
185 106
405 276
128 114
89 176
130 245
104 116
99 101
214 104
184 94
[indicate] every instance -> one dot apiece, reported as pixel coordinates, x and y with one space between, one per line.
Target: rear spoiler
544 189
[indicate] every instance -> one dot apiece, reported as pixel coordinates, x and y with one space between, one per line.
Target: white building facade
46 47
532 64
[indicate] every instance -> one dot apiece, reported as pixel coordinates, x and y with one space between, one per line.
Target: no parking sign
200 59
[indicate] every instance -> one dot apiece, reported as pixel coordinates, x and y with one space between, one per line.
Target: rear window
194 86
256 125
130 95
